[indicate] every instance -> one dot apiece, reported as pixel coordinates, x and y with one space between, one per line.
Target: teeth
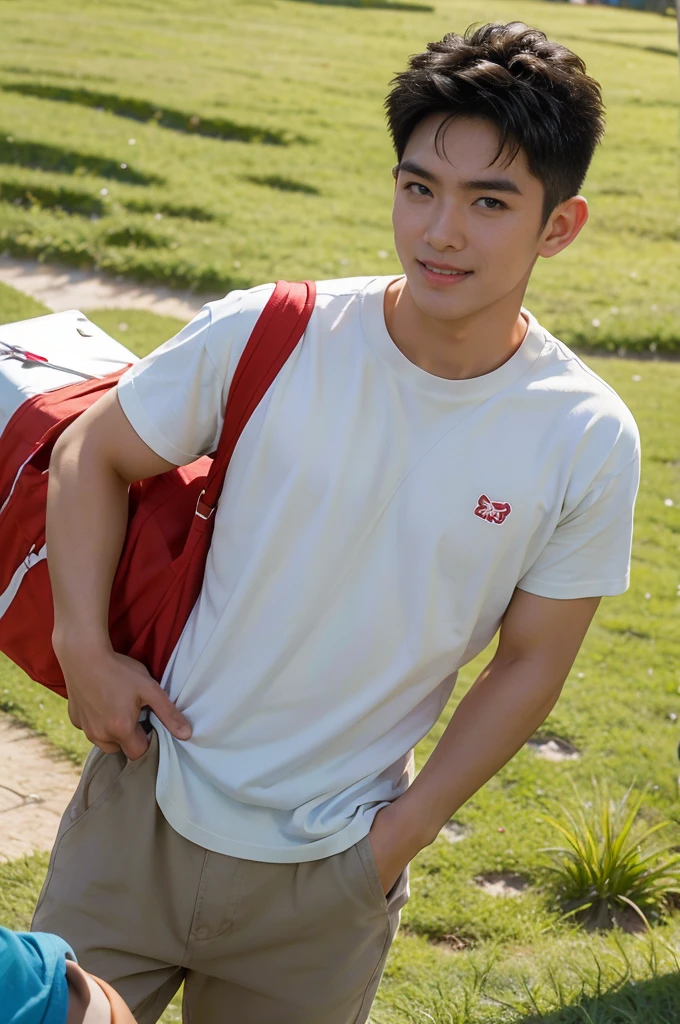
449 273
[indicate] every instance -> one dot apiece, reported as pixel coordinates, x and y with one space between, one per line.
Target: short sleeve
174 398
588 554
33 985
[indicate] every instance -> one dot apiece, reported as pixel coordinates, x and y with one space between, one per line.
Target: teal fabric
33 988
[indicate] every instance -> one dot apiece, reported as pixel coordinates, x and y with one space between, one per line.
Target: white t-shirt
373 527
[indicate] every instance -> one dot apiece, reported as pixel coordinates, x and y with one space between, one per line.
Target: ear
563 226
395 175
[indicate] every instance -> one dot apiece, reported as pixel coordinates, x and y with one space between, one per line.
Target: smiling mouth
444 271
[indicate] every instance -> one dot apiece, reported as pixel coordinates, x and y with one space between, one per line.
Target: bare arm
87 1003
92 466
512 696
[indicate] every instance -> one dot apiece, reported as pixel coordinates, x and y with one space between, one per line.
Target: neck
470 346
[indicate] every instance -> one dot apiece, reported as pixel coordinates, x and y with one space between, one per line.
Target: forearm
87 514
87 1001
506 705
539 640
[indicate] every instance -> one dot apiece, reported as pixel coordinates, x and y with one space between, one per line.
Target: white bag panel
66 339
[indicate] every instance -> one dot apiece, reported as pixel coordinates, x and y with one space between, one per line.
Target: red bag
170 525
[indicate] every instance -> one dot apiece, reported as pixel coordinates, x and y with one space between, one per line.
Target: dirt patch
63 288
454 832
605 917
452 943
502 883
35 789
553 749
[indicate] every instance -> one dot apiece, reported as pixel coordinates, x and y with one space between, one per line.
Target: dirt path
35 790
66 288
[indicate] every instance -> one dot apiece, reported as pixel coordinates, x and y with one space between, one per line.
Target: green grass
20 883
615 709
137 329
260 149
15 306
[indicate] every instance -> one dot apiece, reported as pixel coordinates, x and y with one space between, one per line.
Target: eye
489 203
417 189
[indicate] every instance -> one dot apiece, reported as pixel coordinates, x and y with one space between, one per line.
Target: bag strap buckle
203 511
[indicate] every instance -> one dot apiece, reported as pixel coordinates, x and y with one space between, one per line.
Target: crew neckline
379 339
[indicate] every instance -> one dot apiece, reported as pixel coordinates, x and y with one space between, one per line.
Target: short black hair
534 91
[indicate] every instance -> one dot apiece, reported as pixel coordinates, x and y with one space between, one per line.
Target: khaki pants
254 943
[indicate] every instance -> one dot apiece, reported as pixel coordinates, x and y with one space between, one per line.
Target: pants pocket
101 773
398 895
368 863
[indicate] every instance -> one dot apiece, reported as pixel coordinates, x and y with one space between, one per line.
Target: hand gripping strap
277 332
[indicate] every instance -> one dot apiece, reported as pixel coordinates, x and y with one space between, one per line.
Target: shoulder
231 319
343 289
238 306
591 414
246 305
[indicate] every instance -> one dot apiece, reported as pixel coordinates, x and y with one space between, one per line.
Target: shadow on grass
166 117
40 156
285 184
23 69
76 203
133 235
82 204
638 101
372 5
168 209
663 51
656 1001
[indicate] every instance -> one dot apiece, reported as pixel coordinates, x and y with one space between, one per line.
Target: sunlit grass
236 142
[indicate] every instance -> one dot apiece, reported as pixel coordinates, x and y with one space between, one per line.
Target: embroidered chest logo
492 511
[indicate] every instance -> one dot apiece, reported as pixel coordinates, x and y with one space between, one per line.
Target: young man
430 465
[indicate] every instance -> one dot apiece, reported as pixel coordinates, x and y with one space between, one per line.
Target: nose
445 228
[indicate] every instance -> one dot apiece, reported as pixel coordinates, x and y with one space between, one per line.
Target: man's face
467 230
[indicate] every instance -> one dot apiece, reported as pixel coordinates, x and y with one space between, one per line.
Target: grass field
286 173
243 140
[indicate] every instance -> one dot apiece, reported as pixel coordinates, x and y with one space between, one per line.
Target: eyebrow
411 167
476 185
493 185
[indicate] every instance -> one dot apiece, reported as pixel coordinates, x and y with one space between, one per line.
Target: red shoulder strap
276 334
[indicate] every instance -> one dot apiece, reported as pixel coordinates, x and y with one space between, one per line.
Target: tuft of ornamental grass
612 870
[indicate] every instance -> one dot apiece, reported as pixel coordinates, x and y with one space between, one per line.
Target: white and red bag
69 348
52 368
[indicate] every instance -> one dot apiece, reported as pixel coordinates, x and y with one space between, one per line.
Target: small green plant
612 870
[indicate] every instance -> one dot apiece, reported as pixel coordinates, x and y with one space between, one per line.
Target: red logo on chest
492 511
